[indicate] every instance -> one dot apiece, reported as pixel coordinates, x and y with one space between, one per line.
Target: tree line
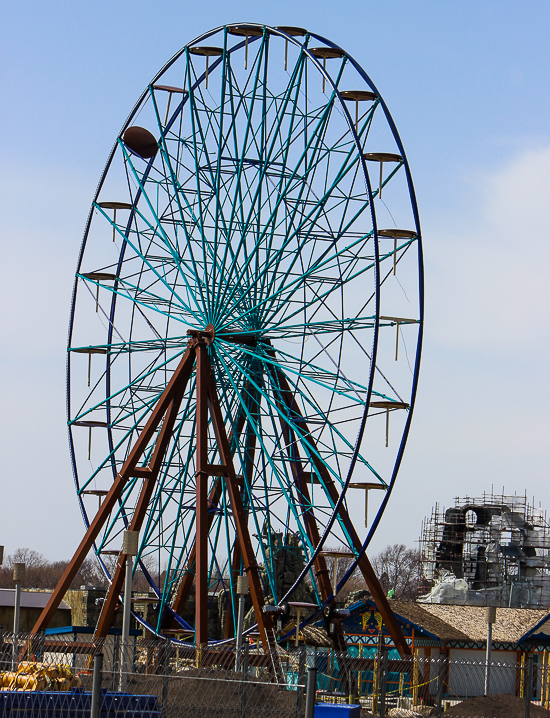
43 574
398 569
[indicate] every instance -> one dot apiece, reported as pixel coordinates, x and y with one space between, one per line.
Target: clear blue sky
468 86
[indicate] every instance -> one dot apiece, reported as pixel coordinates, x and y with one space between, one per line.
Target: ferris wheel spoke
287 399
136 345
237 201
177 190
220 225
322 123
320 376
284 481
315 412
196 129
128 388
240 152
287 291
272 217
166 240
153 302
273 406
310 279
322 262
284 250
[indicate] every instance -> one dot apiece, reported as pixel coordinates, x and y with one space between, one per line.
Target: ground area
500 706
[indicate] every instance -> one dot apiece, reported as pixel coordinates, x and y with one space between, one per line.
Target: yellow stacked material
32 676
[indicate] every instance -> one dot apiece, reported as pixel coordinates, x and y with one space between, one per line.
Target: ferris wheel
247 312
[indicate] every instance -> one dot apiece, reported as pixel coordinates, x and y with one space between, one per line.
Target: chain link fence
50 675
147 678
435 686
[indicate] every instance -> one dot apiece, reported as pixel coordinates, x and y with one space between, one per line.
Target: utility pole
130 545
243 589
18 578
490 617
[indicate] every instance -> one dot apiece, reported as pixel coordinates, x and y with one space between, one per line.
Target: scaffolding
493 551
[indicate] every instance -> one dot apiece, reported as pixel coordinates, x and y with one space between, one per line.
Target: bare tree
355 581
41 573
399 571
397 567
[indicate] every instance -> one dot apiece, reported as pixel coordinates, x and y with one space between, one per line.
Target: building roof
29 599
510 626
467 623
437 626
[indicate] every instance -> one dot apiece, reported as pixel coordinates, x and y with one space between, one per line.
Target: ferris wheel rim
377 313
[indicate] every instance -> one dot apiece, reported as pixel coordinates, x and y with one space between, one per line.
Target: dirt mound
500 706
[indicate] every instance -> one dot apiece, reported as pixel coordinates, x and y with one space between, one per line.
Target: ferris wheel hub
207 333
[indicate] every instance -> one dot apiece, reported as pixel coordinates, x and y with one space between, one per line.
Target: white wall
466 680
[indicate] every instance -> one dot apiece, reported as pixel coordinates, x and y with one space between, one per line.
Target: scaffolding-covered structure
493 550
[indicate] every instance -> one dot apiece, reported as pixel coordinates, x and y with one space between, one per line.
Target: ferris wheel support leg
283 401
236 554
130 469
150 478
201 505
236 558
250 566
364 564
366 568
186 583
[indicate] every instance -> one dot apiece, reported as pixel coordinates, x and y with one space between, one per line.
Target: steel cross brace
167 407
321 570
364 564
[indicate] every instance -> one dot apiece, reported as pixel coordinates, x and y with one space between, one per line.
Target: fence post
360 676
529 686
311 689
376 674
543 680
245 676
440 682
2 657
115 662
351 692
545 693
383 682
165 672
301 679
96 686
41 644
